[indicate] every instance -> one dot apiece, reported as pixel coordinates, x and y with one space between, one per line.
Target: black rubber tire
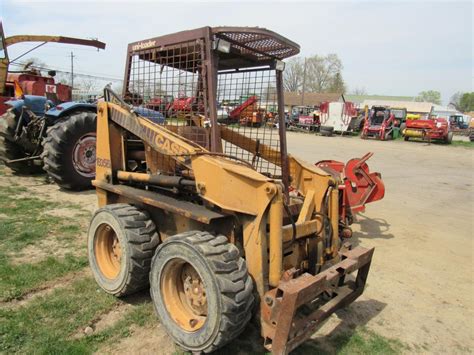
229 288
138 239
10 150
326 131
449 138
406 138
58 147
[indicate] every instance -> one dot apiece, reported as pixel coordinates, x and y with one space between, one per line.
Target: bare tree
88 84
293 75
322 74
358 91
455 100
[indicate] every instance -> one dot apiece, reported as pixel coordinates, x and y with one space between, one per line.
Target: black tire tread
233 279
142 237
10 150
55 142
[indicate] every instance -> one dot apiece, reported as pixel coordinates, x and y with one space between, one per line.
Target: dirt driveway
421 282
420 289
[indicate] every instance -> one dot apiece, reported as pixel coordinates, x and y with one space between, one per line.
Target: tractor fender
67 108
33 102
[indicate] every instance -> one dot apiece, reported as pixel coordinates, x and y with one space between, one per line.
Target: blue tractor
36 135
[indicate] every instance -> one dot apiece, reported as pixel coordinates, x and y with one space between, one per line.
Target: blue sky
390 48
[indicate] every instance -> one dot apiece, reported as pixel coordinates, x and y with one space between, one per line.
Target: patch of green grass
467 144
17 280
48 325
44 325
360 341
24 221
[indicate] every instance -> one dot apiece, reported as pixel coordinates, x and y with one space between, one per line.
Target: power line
69 72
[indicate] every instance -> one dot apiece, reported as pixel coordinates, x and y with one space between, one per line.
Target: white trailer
339 116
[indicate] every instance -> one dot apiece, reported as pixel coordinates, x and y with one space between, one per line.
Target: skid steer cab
215 217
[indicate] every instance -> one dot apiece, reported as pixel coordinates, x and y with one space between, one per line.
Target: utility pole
304 83
72 70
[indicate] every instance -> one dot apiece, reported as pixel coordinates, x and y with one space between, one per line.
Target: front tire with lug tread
195 271
121 242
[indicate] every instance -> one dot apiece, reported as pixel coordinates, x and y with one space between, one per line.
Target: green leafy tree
429 96
466 103
337 84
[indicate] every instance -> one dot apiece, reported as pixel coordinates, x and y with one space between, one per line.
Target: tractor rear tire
10 150
192 273
121 242
69 151
449 138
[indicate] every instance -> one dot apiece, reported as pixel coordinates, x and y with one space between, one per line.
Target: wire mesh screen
165 85
248 118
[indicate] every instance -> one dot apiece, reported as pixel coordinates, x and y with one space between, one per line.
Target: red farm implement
359 186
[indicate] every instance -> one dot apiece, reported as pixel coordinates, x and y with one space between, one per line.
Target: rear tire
449 138
69 151
195 271
121 242
10 150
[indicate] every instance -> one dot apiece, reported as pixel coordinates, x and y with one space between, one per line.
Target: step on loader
216 219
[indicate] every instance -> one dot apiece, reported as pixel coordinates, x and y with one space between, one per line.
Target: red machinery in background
248 106
379 124
436 129
32 82
359 188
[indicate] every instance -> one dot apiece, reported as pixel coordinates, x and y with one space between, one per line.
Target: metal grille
248 110
166 84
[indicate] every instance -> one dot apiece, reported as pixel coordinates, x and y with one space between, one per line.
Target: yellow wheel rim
108 252
184 295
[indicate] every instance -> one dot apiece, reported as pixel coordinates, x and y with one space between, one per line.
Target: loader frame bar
283 332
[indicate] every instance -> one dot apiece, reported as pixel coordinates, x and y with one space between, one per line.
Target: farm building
313 99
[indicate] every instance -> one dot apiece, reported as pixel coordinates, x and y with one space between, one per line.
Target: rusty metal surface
285 325
58 39
167 203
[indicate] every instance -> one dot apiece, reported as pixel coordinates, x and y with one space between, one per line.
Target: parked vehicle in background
459 121
31 82
471 129
161 103
431 129
379 124
400 117
337 116
305 117
32 120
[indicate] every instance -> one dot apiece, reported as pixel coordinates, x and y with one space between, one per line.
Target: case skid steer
219 221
